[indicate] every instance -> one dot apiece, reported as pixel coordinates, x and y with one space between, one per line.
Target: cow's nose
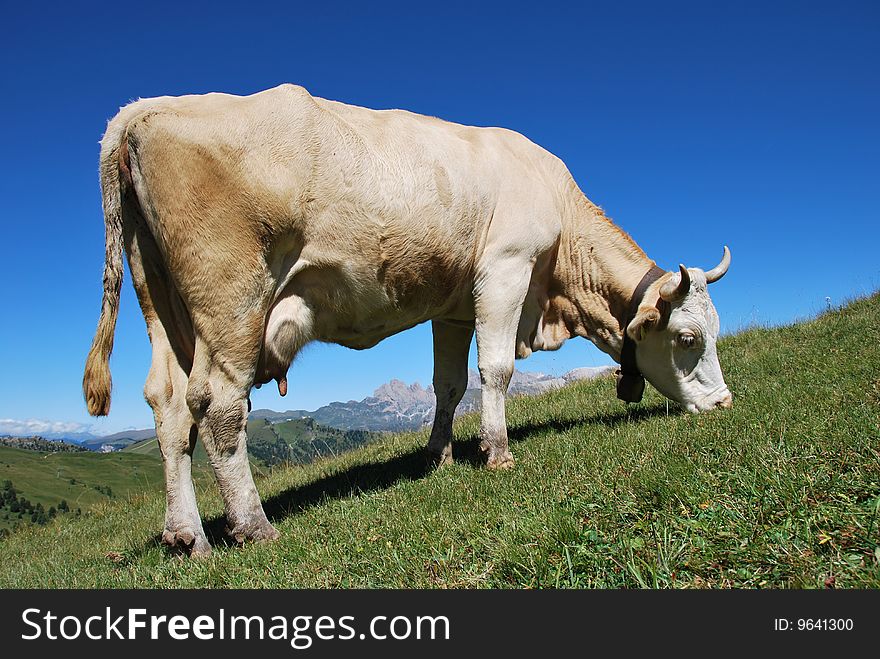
725 403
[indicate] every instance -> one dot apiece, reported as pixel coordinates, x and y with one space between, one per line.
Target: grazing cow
254 225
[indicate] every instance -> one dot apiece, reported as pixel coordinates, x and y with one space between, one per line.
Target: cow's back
375 218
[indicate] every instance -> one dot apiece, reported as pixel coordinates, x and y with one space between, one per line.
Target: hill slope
82 479
50 472
119 440
299 441
782 490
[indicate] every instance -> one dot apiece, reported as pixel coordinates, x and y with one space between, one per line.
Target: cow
254 225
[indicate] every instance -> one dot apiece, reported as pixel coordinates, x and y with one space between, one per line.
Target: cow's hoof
504 462
261 532
188 541
441 459
496 459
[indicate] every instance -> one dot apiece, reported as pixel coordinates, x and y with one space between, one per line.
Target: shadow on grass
414 465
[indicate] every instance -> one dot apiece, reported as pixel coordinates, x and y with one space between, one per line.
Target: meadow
782 491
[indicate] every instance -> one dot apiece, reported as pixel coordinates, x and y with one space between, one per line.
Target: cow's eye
686 340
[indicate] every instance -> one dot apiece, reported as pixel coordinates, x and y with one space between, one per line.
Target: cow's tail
96 379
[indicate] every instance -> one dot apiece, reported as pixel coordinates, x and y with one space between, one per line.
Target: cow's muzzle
721 399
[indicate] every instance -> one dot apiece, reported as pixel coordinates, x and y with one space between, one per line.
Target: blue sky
694 125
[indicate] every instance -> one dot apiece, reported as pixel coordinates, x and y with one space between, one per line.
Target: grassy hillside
50 472
81 479
150 447
781 491
85 479
301 441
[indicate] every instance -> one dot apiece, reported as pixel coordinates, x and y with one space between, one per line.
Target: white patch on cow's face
680 360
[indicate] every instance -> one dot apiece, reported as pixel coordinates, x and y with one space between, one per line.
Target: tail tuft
97 382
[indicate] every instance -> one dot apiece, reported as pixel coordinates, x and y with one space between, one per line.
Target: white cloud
40 427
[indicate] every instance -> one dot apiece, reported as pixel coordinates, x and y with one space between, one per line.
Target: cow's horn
675 290
719 270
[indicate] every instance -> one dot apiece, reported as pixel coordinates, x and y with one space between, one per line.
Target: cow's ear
646 319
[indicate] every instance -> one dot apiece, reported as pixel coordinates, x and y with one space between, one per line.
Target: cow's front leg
498 298
451 345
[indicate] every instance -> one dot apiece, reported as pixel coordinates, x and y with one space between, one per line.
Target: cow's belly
371 332
365 315
355 305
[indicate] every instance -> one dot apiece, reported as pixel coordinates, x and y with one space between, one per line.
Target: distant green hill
150 447
299 441
46 472
82 479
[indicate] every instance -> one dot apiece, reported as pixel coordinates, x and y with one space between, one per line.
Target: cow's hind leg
165 391
498 300
451 344
217 395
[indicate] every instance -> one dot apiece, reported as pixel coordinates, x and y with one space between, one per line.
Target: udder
288 329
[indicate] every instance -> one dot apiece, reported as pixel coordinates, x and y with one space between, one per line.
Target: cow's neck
598 268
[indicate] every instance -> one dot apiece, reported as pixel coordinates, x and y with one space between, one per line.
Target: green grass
46 477
783 490
82 478
150 447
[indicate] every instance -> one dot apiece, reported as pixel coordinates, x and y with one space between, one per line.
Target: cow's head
676 337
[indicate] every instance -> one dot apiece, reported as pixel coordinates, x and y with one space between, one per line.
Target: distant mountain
397 406
66 436
136 435
119 440
528 384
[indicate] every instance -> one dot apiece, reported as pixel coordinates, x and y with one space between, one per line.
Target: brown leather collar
630 381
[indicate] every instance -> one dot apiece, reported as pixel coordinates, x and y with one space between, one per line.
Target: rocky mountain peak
397 391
